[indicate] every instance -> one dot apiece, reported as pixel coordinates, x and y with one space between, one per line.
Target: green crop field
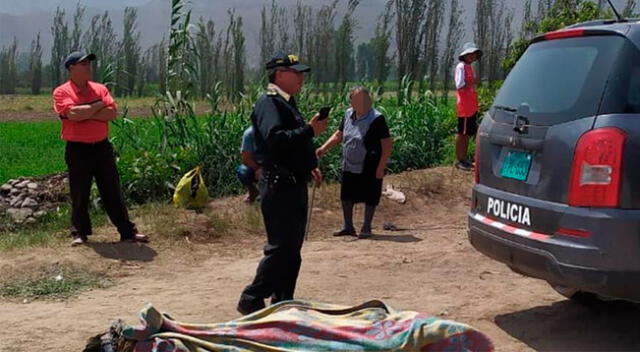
30 149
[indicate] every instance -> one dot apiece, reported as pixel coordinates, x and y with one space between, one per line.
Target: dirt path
38 115
41 109
429 266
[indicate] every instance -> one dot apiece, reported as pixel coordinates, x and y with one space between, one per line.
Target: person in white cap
467 103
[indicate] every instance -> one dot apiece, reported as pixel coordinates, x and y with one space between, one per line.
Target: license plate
516 165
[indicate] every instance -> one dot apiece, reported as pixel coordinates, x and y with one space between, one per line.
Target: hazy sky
24 19
20 7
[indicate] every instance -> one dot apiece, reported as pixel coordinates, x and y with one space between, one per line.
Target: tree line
209 60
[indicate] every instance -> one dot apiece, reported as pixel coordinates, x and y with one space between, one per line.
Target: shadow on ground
572 326
124 251
395 238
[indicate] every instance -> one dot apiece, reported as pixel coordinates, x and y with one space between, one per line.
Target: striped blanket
305 326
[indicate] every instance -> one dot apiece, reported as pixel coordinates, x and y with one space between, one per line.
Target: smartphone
324 113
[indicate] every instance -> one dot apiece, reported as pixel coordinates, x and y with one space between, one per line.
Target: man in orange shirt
85 109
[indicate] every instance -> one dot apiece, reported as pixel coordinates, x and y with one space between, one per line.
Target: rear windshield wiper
505 108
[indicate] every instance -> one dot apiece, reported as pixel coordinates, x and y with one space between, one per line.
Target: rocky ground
24 200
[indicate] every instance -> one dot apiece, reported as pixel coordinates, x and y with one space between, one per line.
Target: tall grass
153 154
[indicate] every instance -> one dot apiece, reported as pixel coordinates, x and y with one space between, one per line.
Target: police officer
285 142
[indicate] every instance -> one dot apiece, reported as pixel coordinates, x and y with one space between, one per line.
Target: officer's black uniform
285 142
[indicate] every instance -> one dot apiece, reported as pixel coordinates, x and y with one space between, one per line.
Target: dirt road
427 266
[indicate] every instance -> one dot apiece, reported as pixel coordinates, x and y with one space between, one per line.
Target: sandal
364 234
345 232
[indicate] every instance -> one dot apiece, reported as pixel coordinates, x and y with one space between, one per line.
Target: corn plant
154 153
182 72
214 98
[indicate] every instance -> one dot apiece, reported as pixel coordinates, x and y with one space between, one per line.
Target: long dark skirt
361 188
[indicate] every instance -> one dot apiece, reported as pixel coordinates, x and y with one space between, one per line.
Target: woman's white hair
357 89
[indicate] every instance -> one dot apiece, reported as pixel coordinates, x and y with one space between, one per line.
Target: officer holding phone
285 142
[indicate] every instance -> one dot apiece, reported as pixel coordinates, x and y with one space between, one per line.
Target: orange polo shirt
68 95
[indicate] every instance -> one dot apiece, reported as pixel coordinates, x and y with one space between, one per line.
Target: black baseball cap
77 56
290 61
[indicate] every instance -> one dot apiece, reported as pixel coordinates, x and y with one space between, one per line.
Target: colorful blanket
304 326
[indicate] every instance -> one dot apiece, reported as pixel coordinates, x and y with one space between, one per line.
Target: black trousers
284 211
86 162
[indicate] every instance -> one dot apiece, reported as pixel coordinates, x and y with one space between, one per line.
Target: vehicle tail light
567 33
573 232
597 162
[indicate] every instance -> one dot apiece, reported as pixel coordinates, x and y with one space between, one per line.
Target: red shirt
68 95
467 98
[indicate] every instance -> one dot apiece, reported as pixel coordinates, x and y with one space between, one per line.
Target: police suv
557 176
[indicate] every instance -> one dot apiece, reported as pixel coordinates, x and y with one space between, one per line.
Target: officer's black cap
290 61
76 57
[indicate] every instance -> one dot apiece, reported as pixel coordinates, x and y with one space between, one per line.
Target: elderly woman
366 147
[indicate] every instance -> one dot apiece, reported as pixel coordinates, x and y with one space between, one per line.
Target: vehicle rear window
623 89
561 80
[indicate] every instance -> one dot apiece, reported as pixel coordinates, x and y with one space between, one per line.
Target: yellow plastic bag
191 191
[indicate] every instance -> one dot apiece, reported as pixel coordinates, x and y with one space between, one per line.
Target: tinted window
623 89
561 80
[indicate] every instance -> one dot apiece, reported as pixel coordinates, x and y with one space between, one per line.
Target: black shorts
468 126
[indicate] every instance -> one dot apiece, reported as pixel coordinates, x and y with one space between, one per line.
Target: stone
40 213
30 220
6 188
14 191
23 184
32 185
29 203
19 214
15 201
12 182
